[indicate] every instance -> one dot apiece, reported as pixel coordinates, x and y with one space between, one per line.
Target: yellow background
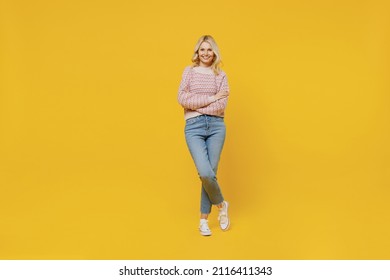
93 161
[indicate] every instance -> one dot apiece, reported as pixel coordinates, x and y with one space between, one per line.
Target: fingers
221 94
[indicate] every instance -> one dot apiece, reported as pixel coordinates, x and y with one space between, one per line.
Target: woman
203 94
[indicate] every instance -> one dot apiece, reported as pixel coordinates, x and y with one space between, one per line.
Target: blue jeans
205 136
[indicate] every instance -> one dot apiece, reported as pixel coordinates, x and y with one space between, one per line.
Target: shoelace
204 227
222 217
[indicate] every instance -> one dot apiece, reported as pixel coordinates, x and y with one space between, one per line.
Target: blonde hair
217 63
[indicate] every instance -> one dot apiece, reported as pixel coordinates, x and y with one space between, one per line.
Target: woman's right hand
221 94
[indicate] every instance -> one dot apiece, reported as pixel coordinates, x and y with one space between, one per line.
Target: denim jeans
205 136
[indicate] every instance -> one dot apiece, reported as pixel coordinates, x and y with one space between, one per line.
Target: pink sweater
197 90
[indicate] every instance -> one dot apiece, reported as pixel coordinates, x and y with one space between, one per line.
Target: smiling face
206 55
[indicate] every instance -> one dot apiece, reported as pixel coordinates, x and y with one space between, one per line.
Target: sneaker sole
227 215
205 233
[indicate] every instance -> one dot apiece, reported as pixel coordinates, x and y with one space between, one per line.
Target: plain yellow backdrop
93 160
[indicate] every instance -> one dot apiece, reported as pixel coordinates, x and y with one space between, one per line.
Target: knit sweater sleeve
190 100
224 86
218 107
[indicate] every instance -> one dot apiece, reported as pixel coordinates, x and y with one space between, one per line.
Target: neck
204 65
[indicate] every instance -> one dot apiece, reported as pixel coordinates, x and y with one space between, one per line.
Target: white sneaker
204 228
223 216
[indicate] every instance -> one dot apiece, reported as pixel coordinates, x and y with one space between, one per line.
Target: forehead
205 45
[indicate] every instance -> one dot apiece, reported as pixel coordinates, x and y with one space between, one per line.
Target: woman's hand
221 94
